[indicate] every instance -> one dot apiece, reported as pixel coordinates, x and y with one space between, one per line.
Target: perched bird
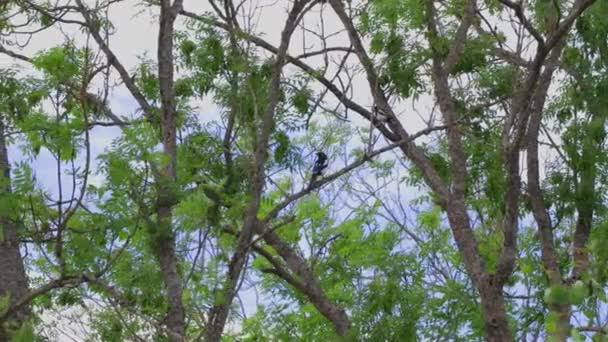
320 165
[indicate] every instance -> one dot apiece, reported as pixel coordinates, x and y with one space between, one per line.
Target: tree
449 53
13 281
194 212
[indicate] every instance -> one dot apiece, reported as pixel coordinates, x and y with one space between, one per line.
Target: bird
319 166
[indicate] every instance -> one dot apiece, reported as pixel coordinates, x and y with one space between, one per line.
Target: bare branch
113 60
519 12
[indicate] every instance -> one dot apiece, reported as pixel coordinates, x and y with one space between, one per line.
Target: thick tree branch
461 36
539 208
456 207
13 277
166 199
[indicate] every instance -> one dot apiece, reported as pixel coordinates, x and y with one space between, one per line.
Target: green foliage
300 100
5 302
109 327
597 243
24 334
206 57
497 81
147 80
474 56
392 264
394 13
19 97
60 63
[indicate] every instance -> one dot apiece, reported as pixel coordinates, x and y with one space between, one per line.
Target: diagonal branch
113 60
519 12
65 281
219 312
412 151
350 167
341 96
461 36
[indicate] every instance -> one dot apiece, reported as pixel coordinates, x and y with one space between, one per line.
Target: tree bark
168 259
539 209
496 324
309 285
13 279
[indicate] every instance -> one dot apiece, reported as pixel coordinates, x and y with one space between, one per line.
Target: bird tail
313 179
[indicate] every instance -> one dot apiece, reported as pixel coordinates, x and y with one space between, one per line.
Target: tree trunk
496 324
13 279
562 329
168 259
173 284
